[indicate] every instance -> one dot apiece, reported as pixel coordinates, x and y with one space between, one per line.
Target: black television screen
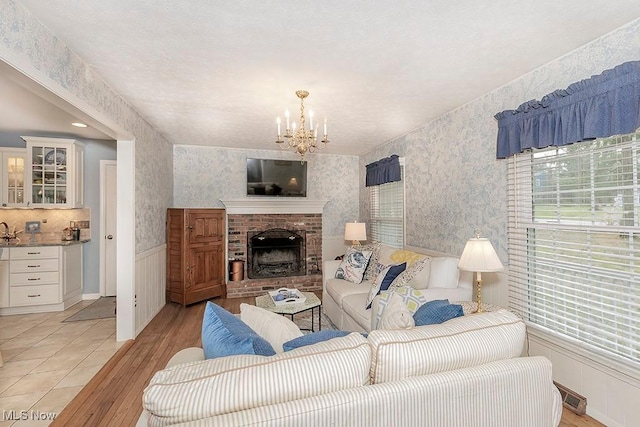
276 178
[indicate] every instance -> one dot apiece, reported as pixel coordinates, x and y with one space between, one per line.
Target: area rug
303 321
102 308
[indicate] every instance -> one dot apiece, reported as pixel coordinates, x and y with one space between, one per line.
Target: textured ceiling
218 72
27 109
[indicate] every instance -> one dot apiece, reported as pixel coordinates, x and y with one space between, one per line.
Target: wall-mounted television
276 178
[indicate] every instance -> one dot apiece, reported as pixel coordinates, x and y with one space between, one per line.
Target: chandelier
300 139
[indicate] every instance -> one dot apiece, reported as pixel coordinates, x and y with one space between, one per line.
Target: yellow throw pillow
403 255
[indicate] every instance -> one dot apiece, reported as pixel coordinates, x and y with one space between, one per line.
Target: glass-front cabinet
56 172
13 177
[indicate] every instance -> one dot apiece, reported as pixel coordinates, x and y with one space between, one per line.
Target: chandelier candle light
299 138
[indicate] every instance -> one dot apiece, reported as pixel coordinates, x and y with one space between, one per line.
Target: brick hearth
240 224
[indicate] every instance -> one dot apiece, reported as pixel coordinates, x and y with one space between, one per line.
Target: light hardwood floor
114 395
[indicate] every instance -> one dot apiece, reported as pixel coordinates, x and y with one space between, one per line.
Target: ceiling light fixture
78 125
301 140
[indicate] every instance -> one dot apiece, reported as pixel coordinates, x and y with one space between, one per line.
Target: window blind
386 222
574 243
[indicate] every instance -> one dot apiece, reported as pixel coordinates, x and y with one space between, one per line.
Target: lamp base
479 297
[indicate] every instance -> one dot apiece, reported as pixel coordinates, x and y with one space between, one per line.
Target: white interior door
108 248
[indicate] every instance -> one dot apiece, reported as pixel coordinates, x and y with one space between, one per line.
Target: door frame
103 231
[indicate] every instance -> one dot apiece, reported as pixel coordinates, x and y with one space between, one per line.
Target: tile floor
47 362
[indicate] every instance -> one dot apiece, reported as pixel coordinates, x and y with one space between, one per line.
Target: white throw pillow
421 279
412 299
444 273
384 255
274 328
396 315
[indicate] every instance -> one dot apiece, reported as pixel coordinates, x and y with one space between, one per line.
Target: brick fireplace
248 218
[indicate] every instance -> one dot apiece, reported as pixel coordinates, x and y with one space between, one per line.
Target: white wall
454 184
95 150
204 175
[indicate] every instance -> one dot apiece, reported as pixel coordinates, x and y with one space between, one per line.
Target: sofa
467 371
344 302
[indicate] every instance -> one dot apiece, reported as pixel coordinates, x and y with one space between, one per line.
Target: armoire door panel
195 254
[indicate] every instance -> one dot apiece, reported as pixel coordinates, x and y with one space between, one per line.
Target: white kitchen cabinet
71 273
34 276
13 177
42 278
55 177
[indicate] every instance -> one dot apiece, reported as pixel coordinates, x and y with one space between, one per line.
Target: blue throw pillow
437 311
313 338
224 334
384 280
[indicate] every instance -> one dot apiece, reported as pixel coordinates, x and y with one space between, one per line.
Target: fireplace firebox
276 253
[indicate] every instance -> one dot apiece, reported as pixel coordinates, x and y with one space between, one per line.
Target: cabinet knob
110 237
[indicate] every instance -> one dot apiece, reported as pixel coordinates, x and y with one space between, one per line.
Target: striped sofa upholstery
465 372
505 393
459 343
223 385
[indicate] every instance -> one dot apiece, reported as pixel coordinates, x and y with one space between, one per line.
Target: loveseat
465 372
344 301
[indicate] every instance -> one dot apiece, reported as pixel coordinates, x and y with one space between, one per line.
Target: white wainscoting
151 274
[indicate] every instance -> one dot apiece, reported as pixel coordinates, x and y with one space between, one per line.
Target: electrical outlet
79 224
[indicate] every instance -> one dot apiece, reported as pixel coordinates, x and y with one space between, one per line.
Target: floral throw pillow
383 281
410 273
371 273
353 265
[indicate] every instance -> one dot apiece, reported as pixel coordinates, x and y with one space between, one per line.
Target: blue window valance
601 106
383 171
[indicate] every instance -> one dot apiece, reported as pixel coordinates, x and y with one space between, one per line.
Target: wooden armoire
195 255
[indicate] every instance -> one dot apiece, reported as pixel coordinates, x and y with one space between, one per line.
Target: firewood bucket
236 270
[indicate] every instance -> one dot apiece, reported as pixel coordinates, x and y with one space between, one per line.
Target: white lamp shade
479 256
355 231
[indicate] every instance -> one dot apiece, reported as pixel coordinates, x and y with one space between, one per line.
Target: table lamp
479 256
355 231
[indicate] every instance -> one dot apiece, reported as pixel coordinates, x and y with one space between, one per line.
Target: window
386 222
574 243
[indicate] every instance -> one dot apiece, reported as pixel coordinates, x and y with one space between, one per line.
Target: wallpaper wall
453 181
24 41
204 175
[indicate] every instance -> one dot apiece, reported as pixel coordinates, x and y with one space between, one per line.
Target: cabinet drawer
35 278
28 266
34 295
35 252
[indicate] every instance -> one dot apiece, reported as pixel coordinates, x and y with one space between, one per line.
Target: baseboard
90 296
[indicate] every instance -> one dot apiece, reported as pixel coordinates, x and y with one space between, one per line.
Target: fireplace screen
276 253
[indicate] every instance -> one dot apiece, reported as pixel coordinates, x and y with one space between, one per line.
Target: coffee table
311 303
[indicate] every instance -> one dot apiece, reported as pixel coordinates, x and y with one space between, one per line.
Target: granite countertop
44 242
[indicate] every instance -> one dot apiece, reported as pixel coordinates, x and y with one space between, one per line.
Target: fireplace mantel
291 205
